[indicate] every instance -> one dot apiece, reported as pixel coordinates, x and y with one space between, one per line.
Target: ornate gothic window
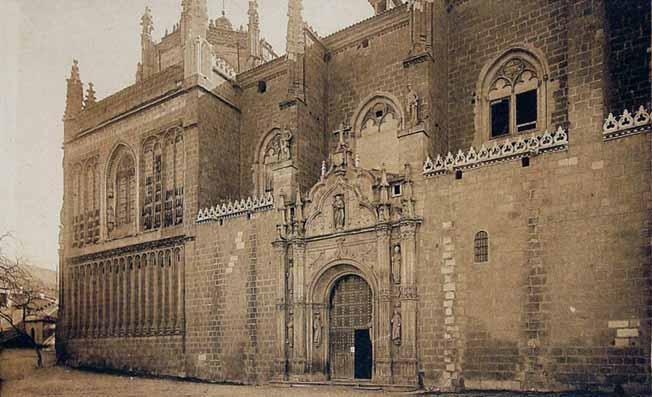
481 247
85 203
121 193
375 130
77 206
163 171
513 95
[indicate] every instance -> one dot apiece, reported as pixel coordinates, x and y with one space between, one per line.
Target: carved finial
323 170
383 177
299 200
147 22
295 39
408 173
357 160
90 96
74 72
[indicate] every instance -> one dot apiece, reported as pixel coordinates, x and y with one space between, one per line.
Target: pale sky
38 41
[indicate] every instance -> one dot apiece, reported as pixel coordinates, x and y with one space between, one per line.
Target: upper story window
163 170
121 193
513 96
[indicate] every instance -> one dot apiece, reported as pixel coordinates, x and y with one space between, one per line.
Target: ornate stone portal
338 251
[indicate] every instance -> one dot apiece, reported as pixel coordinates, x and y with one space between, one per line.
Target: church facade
451 194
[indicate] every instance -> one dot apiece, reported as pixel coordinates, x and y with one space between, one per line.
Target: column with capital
383 361
299 308
407 366
281 359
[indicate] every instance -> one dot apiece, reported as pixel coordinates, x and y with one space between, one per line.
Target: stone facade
452 193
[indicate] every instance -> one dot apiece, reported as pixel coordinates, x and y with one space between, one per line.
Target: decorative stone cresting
236 209
225 69
626 124
497 152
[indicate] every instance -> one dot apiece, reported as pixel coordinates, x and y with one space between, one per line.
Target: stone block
619 324
627 333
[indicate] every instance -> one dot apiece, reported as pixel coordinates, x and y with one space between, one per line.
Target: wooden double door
350 331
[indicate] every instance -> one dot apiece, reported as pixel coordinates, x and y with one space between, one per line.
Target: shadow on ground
23 379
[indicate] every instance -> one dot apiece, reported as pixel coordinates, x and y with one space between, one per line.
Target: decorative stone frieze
498 152
626 124
236 209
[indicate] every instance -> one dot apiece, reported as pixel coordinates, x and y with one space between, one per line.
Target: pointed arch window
513 95
121 193
163 171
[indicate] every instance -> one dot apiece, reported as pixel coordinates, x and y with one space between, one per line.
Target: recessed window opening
379 113
500 117
526 111
481 247
262 86
397 190
458 174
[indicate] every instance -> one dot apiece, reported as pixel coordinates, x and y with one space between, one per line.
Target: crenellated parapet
626 124
497 152
237 208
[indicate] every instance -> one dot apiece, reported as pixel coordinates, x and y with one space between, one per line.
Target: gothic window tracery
121 193
85 203
163 171
513 95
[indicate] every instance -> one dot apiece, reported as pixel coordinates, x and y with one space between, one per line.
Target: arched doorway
350 329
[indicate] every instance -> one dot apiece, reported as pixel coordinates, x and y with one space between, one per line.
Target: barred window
481 245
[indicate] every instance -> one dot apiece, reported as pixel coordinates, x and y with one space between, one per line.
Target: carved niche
276 147
338 206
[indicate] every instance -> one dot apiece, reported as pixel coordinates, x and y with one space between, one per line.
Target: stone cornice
265 71
130 249
366 28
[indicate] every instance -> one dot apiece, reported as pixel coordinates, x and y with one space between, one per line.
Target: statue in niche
285 140
396 264
316 329
290 277
110 218
339 212
382 214
396 327
290 340
413 102
268 177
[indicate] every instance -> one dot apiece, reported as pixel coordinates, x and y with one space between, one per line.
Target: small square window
396 190
500 117
526 111
262 86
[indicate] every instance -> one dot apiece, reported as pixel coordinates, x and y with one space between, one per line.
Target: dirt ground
21 378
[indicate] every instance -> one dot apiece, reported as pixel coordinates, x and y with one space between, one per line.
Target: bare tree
23 293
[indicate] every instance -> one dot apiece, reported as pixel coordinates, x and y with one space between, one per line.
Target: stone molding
235 209
497 152
626 124
150 245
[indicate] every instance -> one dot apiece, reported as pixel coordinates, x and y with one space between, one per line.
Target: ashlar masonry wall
231 300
